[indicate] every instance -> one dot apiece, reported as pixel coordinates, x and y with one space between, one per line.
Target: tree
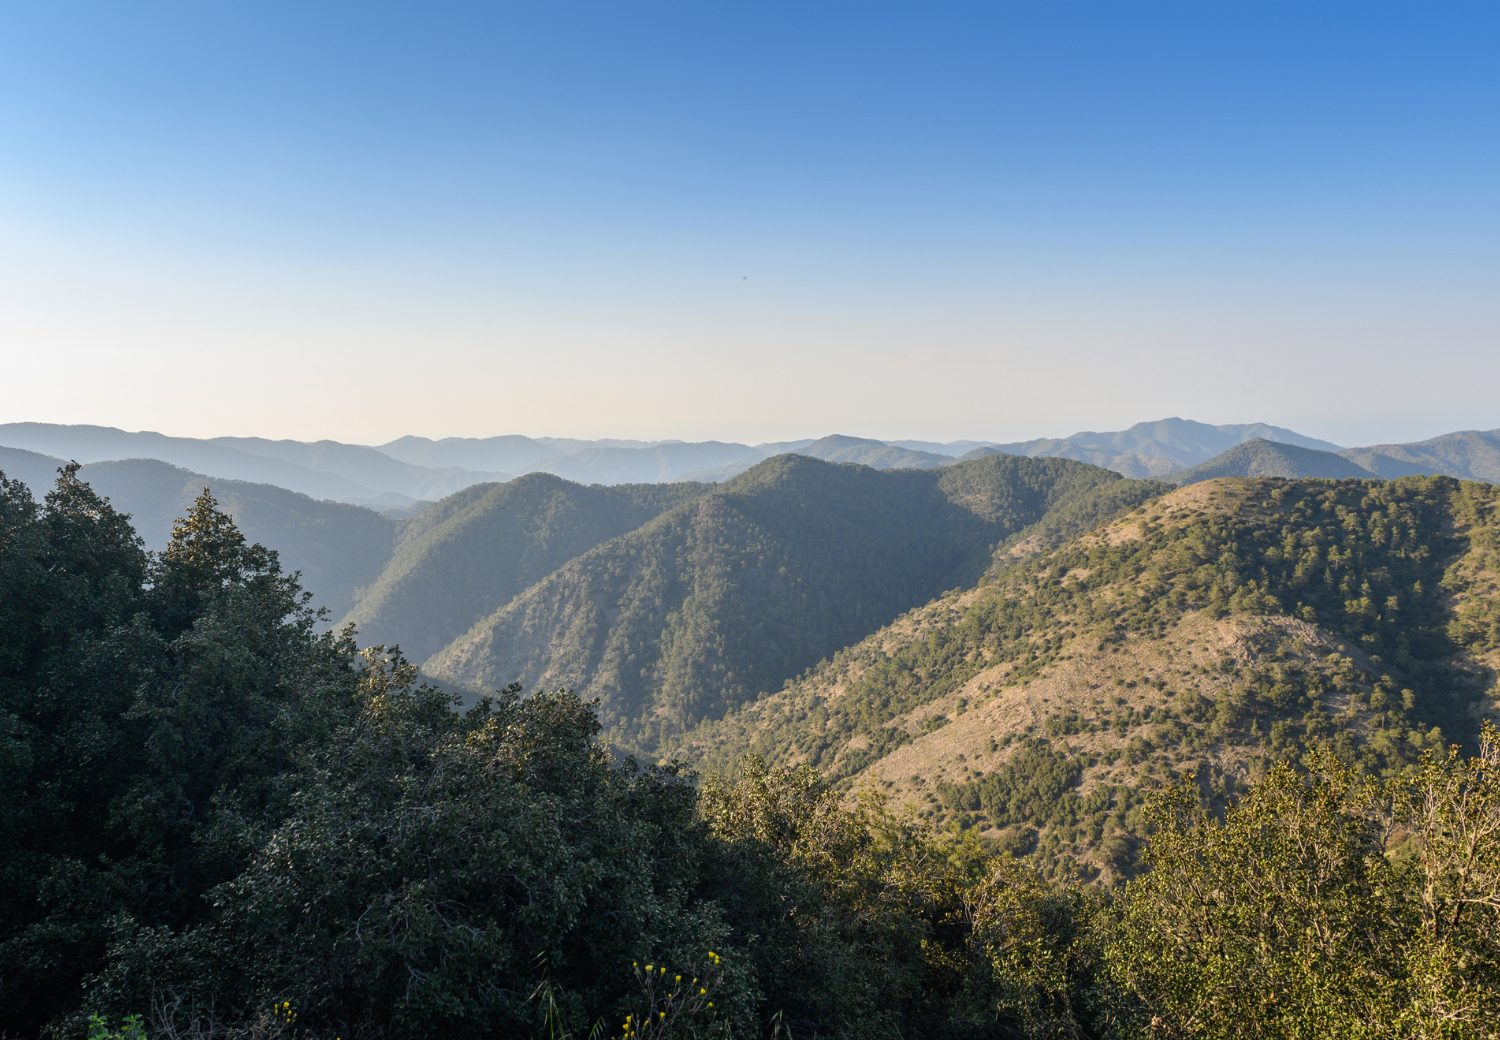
1324 904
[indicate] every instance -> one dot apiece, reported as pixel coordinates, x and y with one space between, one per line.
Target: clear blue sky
749 221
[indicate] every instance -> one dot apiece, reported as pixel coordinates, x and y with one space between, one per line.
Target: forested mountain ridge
729 595
409 470
461 557
1224 625
1264 458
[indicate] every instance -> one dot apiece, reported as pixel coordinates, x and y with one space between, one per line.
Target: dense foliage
1325 905
148 705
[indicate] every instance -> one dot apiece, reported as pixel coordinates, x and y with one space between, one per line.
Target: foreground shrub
1324 904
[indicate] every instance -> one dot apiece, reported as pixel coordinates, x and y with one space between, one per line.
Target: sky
749 221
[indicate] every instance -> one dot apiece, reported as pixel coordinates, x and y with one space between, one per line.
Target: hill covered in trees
729 595
1207 632
226 823
1263 458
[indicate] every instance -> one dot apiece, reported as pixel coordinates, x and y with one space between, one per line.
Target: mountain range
401 475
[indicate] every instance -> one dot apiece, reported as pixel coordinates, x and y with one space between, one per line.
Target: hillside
728 596
1220 625
1468 455
337 547
459 559
1263 458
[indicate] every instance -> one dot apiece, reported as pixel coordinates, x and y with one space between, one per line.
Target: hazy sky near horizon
749 221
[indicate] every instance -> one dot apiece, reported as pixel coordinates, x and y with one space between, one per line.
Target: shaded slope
731 594
461 558
1222 624
1263 458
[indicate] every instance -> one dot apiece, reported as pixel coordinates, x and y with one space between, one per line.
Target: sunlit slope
461 558
728 596
1226 622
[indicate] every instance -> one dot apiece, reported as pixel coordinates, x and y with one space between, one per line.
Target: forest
230 821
